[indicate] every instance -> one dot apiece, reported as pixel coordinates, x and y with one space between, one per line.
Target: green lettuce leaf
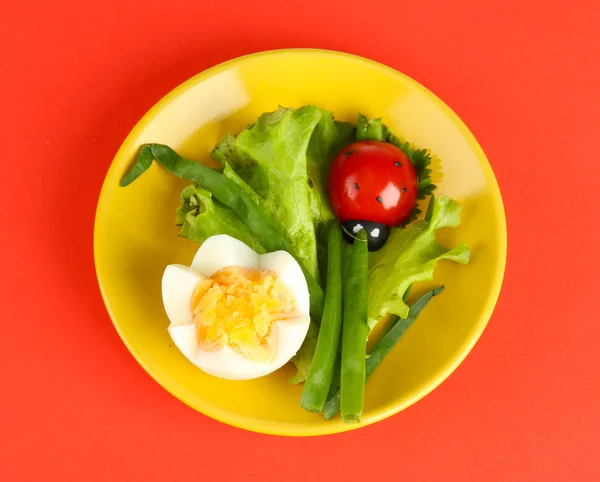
326 142
200 216
236 161
253 161
276 146
227 153
233 176
410 255
371 130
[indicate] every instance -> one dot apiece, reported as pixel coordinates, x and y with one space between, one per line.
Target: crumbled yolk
237 306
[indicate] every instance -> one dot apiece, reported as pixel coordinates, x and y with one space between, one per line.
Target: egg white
219 252
178 285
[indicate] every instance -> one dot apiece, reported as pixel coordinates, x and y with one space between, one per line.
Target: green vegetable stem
266 229
354 332
384 345
316 388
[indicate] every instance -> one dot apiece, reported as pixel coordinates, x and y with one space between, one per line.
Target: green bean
398 327
263 226
355 330
316 387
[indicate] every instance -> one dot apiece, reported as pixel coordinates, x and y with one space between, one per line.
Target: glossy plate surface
135 237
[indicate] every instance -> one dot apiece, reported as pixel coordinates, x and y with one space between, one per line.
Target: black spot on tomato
379 199
348 153
356 186
398 164
404 189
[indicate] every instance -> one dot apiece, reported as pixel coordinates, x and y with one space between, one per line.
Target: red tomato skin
372 181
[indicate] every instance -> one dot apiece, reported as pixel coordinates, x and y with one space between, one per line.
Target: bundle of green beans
332 388
384 345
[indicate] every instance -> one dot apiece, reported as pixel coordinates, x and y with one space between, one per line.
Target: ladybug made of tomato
373 186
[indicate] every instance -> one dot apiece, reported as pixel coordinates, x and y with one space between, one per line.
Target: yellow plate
135 236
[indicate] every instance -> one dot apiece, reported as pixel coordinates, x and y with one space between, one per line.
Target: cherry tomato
372 181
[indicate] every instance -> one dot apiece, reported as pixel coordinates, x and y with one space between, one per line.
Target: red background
76 76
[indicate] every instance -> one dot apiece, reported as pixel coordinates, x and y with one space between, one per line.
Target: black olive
377 233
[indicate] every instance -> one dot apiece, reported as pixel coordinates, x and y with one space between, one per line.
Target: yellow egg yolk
237 307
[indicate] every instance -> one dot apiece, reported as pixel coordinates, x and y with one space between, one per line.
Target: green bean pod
384 345
355 330
316 387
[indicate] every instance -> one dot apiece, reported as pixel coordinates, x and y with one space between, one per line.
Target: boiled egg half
236 314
